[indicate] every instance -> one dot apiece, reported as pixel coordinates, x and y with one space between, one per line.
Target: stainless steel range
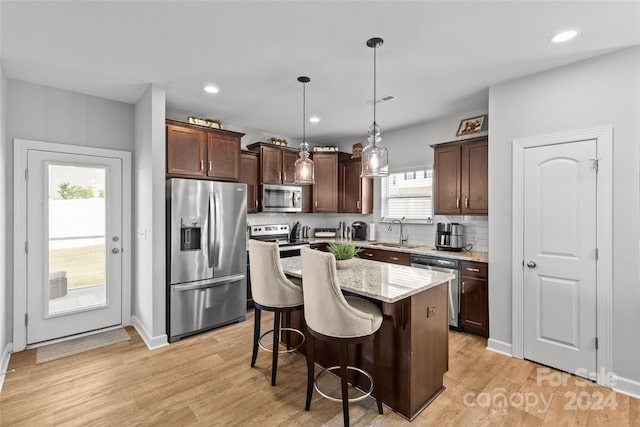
281 234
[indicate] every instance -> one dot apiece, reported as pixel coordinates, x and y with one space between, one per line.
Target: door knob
115 250
531 264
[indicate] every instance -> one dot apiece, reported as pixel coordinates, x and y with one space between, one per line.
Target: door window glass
77 263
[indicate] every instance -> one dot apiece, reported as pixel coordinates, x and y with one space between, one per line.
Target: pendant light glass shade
303 167
375 161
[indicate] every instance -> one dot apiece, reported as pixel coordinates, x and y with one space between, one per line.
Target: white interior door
560 255
74 232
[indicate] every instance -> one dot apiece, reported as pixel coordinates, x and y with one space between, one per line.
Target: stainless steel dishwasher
450 266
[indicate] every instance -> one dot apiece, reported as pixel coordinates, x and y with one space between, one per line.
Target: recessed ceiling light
314 119
564 36
211 89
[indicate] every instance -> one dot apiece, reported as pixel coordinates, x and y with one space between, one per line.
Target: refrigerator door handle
209 284
209 237
218 234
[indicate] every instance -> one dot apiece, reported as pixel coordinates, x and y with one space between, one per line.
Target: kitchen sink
396 245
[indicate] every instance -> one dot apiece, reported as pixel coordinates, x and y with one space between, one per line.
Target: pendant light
303 167
374 156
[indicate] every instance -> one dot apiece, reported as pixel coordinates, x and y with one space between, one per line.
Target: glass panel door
76 205
74 247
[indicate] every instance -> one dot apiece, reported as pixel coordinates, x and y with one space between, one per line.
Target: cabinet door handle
210 166
316 204
466 202
201 165
368 254
280 176
462 288
256 203
457 203
285 176
358 204
395 258
473 269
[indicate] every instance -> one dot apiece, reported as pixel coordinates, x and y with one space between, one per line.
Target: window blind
408 195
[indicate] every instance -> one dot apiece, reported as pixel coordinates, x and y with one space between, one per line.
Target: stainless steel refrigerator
206 251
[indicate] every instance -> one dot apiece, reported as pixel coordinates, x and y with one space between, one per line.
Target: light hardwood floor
206 380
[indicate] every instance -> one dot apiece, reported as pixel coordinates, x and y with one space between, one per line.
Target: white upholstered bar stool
272 291
334 318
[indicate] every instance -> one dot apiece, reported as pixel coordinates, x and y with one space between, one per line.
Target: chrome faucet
402 238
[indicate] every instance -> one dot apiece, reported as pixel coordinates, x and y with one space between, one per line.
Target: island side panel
429 345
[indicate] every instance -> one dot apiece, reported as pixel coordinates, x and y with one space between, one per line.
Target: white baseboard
499 347
4 362
151 342
628 387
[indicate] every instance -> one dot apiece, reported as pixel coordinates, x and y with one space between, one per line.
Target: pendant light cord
375 48
304 111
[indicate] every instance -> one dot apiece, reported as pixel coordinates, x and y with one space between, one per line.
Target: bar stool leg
311 354
342 356
256 335
376 371
276 340
287 323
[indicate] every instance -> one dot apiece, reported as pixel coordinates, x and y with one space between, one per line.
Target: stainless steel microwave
281 198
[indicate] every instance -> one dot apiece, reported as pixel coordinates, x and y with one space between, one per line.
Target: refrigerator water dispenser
190 233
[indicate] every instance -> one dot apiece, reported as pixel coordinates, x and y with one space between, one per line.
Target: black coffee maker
359 230
449 236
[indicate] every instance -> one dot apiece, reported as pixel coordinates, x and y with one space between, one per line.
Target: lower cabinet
474 302
383 255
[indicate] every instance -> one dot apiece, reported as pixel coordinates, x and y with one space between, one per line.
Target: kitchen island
414 342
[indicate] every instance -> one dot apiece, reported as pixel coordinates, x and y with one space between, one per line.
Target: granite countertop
413 249
378 280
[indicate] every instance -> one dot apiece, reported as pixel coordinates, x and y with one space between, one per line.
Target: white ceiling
438 59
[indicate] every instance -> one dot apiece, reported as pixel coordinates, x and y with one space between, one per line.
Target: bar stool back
271 291
332 317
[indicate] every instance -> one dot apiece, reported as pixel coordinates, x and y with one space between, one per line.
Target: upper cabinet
197 151
249 174
325 189
355 194
461 177
276 163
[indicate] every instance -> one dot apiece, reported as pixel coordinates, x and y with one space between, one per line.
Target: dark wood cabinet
355 194
323 247
185 151
383 255
474 301
460 178
223 156
276 163
288 166
475 178
199 152
325 189
249 174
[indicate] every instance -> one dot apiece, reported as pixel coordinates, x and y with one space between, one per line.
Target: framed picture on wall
472 125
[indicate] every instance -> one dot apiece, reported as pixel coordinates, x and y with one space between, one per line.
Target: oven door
281 198
291 251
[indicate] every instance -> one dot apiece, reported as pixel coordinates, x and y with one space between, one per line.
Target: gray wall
149 295
44 113
596 92
5 247
411 148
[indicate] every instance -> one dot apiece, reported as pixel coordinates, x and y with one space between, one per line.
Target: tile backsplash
476 227
476 231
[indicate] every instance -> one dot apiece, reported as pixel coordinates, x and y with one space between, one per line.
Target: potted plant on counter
344 253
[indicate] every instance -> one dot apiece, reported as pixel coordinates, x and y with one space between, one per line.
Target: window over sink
407 194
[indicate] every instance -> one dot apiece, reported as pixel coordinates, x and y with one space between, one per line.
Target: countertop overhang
378 280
